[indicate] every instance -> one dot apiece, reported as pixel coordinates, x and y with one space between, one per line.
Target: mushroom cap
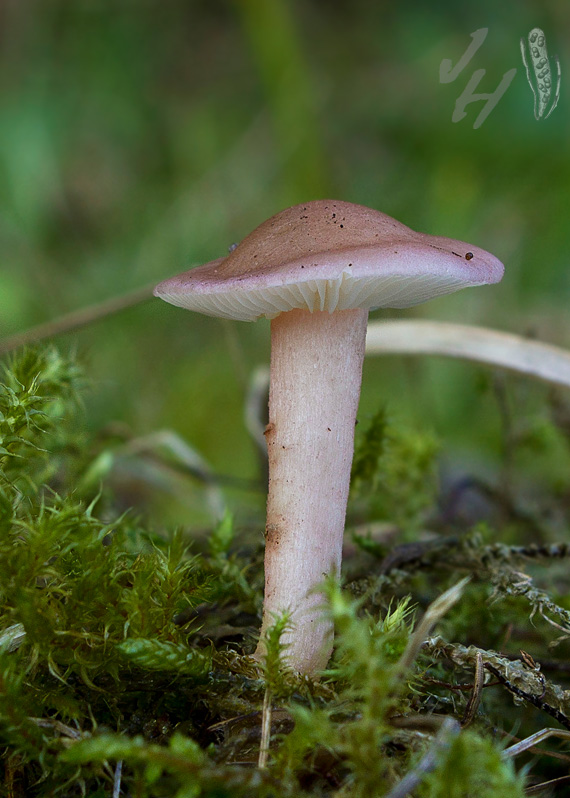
329 255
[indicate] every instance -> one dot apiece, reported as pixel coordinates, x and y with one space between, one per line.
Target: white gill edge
344 293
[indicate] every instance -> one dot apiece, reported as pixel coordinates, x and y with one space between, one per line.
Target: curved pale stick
532 358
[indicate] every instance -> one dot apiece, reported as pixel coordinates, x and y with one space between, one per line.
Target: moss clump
394 474
471 767
124 654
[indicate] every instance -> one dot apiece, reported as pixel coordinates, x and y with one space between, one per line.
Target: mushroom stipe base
316 373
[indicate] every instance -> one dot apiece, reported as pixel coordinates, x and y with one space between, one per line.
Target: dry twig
513 352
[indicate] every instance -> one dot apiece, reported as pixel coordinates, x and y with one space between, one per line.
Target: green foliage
370 446
80 598
38 387
120 645
394 470
366 661
222 538
273 671
472 767
158 656
229 571
366 644
188 769
59 565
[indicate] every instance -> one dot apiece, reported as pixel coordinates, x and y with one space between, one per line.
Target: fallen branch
508 351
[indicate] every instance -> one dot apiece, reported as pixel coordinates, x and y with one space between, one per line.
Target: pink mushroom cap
329 255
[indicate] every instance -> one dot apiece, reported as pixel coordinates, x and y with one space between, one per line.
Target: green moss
124 651
394 473
472 767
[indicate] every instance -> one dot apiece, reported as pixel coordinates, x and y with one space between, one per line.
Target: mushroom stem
316 373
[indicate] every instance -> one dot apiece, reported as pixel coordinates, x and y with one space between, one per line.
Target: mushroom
316 270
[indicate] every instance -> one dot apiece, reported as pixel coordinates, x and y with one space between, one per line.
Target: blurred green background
139 138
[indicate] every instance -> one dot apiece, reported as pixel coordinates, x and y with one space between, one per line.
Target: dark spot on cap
468 255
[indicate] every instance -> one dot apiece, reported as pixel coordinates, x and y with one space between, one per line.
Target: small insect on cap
329 255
